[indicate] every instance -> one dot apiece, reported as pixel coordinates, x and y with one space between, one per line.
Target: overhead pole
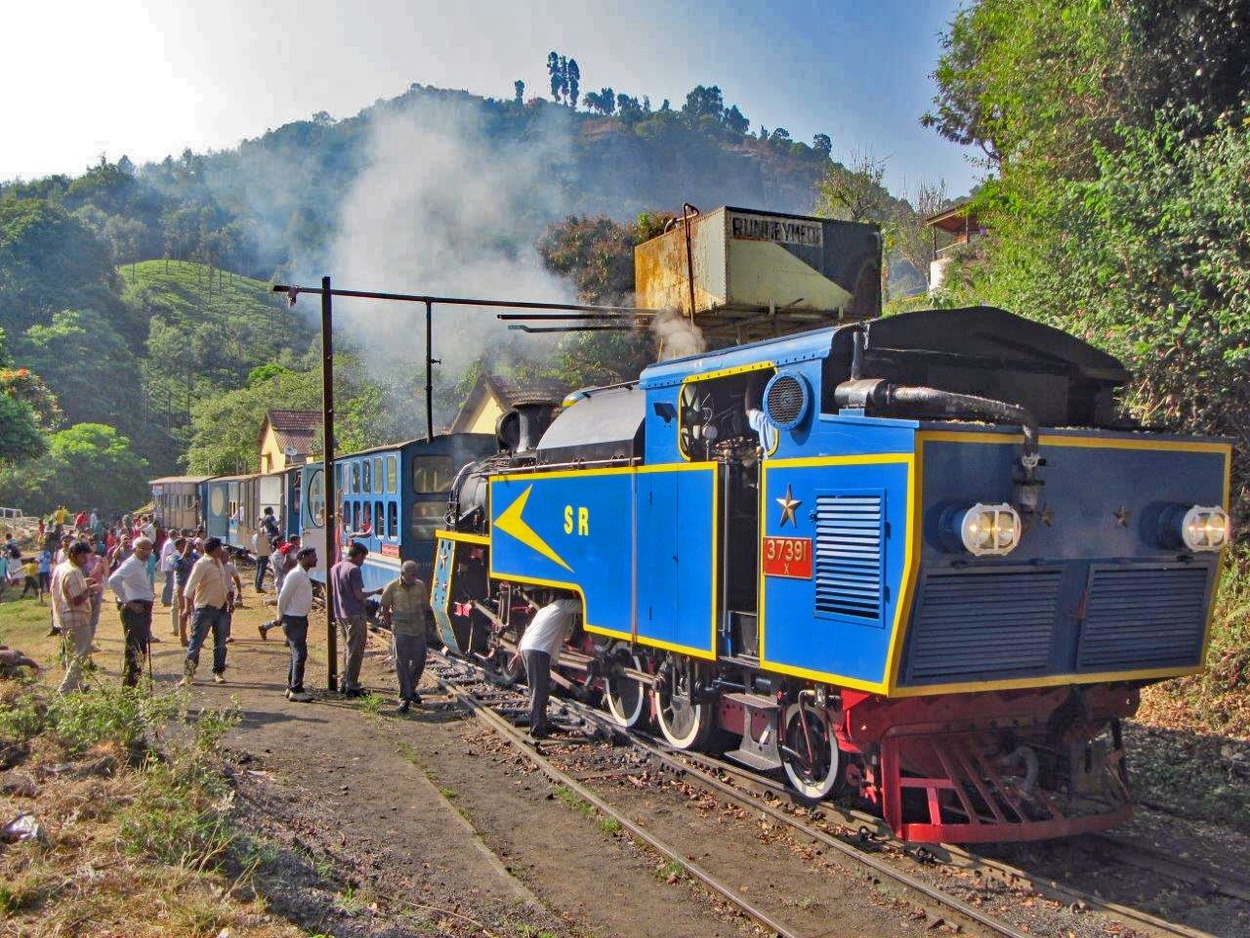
430 362
327 436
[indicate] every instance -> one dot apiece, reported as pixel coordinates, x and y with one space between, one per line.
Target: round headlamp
1203 529
989 530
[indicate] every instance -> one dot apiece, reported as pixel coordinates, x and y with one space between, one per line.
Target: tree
603 101
597 254
854 193
49 260
89 366
556 75
781 135
519 88
87 463
20 439
703 101
573 77
629 108
736 121
822 144
1034 82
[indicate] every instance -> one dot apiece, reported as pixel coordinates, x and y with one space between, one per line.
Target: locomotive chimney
520 429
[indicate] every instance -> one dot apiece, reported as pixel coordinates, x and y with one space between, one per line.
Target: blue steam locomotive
917 558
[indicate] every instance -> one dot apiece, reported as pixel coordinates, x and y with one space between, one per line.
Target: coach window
390 476
392 520
379 481
338 478
424 519
432 473
379 520
317 497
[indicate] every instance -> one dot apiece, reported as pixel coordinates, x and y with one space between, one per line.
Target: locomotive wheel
684 723
626 697
809 752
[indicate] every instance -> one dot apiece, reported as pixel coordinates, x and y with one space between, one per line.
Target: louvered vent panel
1143 618
983 626
849 548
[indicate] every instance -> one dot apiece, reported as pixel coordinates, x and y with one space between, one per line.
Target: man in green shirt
406 609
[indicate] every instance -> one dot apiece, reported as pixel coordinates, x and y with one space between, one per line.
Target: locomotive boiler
918 559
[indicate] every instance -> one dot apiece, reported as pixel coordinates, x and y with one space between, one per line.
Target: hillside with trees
135 303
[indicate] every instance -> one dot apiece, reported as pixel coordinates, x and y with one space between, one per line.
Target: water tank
758 274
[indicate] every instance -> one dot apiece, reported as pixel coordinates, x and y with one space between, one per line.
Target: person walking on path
166 568
133 589
234 594
183 563
207 594
72 601
44 561
262 548
539 646
349 610
97 570
406 609
294 605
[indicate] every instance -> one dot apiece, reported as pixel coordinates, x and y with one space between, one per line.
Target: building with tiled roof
492 396
286 438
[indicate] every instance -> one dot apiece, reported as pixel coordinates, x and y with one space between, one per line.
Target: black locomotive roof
985 333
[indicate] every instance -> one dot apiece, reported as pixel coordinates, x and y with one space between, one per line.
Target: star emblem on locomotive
788 505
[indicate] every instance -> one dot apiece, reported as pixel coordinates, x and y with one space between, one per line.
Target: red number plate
389 550
788 556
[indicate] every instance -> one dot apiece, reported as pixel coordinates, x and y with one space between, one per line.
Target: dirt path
379 824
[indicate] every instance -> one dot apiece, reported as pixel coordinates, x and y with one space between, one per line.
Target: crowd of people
143 564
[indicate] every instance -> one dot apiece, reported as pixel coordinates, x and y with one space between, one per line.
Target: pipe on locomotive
860 392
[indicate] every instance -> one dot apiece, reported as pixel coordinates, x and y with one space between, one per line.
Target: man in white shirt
134 593
294 604
167 569
539 646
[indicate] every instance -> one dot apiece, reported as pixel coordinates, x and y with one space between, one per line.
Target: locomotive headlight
1205 528
989 530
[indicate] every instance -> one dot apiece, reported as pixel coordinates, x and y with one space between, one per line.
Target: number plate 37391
788 557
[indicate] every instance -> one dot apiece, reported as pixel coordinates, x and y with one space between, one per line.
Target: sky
147 78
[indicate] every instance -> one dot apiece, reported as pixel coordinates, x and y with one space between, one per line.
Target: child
44 560
31 571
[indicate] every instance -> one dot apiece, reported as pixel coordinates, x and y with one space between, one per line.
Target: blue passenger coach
392 499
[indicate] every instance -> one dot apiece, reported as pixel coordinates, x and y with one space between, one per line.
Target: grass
670 871
566 797
130 794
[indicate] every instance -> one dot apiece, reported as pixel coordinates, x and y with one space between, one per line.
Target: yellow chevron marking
511 522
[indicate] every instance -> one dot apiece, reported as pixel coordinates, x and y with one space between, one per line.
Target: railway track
857 837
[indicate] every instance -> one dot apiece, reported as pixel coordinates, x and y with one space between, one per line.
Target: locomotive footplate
758 748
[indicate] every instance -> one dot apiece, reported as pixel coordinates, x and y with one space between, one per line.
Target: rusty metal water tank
759 274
